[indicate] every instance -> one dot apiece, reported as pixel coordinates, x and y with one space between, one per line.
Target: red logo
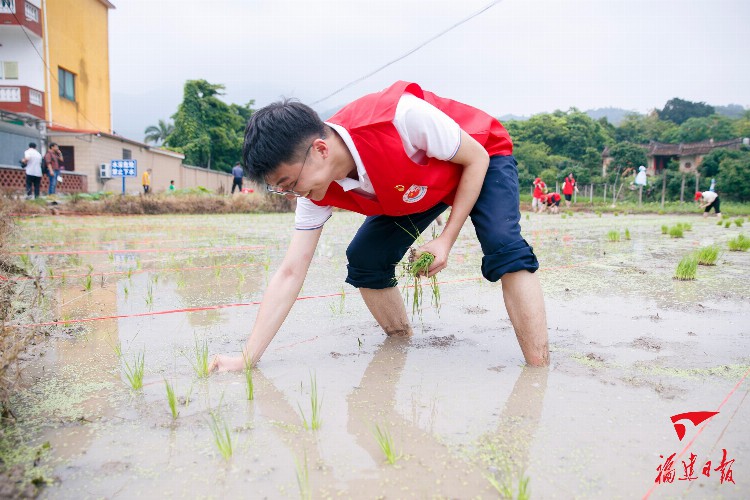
696 417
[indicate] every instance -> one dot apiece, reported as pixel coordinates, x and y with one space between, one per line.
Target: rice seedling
303 478
383 437
171 399
708 255
181 281
64 278
315 406
87 281
627 233
687 268
598 213
563 216
200 358
155 278
116 347
248 371
111 256
338 308
613 236
222 436
66 320
50 273
739 222
415 268
727 224
719 222
125 291
149 294
739 244
134 373
616 214
665 229
505 488
676 232
359 343
25 261
130 273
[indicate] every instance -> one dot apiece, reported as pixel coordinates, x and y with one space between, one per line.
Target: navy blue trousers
382 240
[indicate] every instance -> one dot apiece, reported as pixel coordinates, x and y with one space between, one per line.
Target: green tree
208 131
679 110
640 129
158 133
701 129
627 156
741 127
733 179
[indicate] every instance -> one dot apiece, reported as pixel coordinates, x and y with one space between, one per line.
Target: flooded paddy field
630 348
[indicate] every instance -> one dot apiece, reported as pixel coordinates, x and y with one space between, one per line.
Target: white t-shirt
33 162
709 196
425 131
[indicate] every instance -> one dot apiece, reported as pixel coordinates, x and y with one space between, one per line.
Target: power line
393 61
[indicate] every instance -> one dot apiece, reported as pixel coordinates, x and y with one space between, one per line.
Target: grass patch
135 372
385 441
707 256
315 405
739 244
613 236
687 268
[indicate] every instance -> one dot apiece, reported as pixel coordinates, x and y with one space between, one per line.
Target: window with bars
8 7
32 12
66 82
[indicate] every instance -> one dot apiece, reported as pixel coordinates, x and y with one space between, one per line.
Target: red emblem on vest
414 193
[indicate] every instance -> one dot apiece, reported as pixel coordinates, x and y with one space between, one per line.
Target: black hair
32 145
278 133
52 144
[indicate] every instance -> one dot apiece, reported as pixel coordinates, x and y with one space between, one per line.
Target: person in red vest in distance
551 200
401 157
540 188
569 186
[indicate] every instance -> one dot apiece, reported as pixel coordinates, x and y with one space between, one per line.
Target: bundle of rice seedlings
687 268
627 233
739 222
613 236
676 232
707 256
727 223
415 269
664 229
739 244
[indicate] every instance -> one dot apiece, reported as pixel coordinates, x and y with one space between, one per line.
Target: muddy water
630 348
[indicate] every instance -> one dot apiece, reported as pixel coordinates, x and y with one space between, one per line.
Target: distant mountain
613 115
511 117
730 110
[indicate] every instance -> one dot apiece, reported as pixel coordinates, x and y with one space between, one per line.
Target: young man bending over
401 157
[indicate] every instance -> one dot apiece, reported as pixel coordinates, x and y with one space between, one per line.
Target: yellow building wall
78 40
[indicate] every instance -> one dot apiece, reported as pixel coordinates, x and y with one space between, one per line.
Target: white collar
363 181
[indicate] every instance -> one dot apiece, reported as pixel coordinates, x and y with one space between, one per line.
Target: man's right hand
224 363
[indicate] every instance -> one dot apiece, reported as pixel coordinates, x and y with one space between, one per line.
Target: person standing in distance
32 161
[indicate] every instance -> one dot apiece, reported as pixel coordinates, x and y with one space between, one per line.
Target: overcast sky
518 57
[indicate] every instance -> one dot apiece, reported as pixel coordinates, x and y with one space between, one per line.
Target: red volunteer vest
401 186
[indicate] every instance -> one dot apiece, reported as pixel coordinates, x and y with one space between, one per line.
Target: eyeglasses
275 189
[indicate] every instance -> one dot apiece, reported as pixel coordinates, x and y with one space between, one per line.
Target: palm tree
158 134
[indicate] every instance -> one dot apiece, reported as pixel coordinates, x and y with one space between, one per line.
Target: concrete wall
14 140
91 150
16 47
